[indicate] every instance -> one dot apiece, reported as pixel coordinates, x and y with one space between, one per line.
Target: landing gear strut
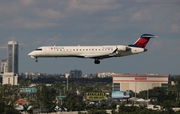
96 61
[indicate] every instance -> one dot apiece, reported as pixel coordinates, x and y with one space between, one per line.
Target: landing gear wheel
36 60
96 61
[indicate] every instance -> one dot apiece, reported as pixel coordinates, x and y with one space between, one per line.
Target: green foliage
46 97
88 89
24 83
135 110
167 105
113 111
95 111
158 94
128 109
7 109
2 107
73 102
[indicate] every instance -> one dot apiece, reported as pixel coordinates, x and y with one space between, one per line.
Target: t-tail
142 41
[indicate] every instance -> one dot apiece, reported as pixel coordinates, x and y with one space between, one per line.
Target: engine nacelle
123 48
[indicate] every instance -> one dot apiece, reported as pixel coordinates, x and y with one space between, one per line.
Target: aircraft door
47 50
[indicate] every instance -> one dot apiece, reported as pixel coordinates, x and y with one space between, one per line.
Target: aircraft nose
31 54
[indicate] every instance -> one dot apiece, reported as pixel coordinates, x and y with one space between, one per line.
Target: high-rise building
9 67
75 74
12 59
4 66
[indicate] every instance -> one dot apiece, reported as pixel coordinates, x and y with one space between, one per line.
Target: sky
35 23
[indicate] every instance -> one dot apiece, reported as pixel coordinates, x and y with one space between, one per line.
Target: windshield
39 49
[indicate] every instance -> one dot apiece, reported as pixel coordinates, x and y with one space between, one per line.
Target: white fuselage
93 52
99 52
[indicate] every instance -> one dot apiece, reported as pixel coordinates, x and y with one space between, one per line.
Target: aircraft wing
100 56
95 56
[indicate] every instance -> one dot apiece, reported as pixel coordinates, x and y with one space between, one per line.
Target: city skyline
80 22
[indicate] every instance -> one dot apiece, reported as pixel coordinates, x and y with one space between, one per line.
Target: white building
105 74
32 75
139 82
10 78
4 66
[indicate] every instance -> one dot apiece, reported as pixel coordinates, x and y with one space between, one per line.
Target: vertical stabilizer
142 41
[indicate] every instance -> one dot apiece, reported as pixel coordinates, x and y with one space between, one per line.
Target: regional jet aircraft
93 52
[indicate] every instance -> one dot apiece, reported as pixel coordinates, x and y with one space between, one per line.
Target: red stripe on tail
142 42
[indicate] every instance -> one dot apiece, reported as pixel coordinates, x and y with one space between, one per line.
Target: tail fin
142 41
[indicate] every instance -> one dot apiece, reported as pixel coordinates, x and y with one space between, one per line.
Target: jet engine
123 48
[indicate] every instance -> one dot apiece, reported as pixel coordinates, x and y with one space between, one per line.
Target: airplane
93 52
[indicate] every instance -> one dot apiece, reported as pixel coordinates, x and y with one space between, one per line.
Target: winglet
142 41
114 52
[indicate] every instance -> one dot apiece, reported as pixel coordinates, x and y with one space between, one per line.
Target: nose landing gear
36 59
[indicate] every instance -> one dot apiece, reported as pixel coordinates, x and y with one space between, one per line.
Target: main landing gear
96 61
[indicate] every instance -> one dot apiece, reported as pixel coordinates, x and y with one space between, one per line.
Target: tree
95 111
46 97
158 93
7 109
73 102
136 110
24 83
167 105
177 85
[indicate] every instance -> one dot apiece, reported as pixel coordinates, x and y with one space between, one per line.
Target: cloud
7 8
84 41
142 15
177 16
91 6
156 44
114 19
30 23
175 28
37 25
53 41
12 38
27 2
48 13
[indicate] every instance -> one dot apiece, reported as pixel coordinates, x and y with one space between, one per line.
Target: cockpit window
38 49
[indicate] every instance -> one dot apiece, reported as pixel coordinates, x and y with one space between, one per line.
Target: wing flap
94 55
